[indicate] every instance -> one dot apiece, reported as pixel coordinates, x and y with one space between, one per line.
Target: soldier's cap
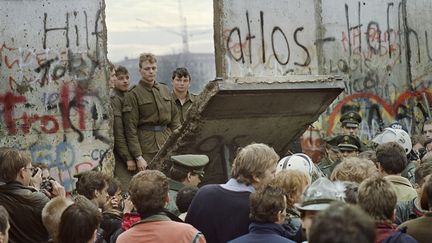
333 143
320 194
348 143
190 162
351 119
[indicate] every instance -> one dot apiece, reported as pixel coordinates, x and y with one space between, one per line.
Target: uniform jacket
148 106
24 205
174 187
120 144
159 228
183 109
420 228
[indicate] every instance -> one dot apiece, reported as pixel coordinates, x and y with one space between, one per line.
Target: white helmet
297 161
394 135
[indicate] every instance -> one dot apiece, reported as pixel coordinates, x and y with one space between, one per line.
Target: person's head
349 145
268 205
294 183
44 168
377 197
148 191
188 168
351 192
428 145
185 197
79 223
255 164
181 80
52 212
420 174
122 79
342 223
350 123
94 185
391 158
417 142
15 165
298 161
427 129
114 191
426 197
148 67
112 76
354 169
332 149
4 225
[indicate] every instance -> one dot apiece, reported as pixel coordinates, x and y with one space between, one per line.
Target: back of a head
293 182
320 194
90 181
253 160
354 169
391 157
148 191
342 223
426 196
185 197
79 222
52 212
398 136
423 170
11 162
266 204
377 197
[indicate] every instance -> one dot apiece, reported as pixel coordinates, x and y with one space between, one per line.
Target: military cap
332 142
194 162
351 119
348 143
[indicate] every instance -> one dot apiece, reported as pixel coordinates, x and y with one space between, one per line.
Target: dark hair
426 198
422 171
392 158
91 181
351 192
120 70
113 186
181 72
148 191
184 197
266 203
341 223
4 219
11 162
178 174
79 222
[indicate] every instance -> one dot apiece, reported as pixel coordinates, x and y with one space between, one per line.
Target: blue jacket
258 233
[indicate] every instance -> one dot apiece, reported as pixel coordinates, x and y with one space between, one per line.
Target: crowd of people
378 191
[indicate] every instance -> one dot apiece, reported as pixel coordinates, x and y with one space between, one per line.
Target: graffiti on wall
53 95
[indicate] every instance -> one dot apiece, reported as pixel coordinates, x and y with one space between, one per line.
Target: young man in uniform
124 162
186 170
149 114
181 81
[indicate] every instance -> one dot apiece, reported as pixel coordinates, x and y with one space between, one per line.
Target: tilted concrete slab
235 112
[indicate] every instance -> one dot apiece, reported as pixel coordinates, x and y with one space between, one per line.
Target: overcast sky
128 36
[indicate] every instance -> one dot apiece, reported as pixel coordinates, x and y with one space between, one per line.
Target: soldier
350 126
181 80
427 129
332 156
186 170
124 162
349 145
149 114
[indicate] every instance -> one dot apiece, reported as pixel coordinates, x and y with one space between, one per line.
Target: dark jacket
407 210
269 232
24 205
111 222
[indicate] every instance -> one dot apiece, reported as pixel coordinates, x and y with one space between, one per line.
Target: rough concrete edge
185 135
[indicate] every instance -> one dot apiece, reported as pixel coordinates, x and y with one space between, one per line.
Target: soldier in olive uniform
149 114
186 170
181 80
124 162
332 156
350 126
349 145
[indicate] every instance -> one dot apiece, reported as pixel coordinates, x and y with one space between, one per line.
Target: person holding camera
24 202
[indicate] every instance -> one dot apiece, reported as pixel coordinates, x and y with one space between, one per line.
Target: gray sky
128 36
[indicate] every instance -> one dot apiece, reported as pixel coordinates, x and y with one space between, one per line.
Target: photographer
23 202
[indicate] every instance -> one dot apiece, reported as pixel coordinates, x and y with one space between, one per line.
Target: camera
46 184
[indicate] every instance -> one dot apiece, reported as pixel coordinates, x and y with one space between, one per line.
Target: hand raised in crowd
56 191
141 164
128 205
36 178
131 165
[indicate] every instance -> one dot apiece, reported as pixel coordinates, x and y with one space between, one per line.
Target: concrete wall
381 48
53 83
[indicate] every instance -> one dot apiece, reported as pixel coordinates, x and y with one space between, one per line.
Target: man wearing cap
348 145
350 126
332 156
186 170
